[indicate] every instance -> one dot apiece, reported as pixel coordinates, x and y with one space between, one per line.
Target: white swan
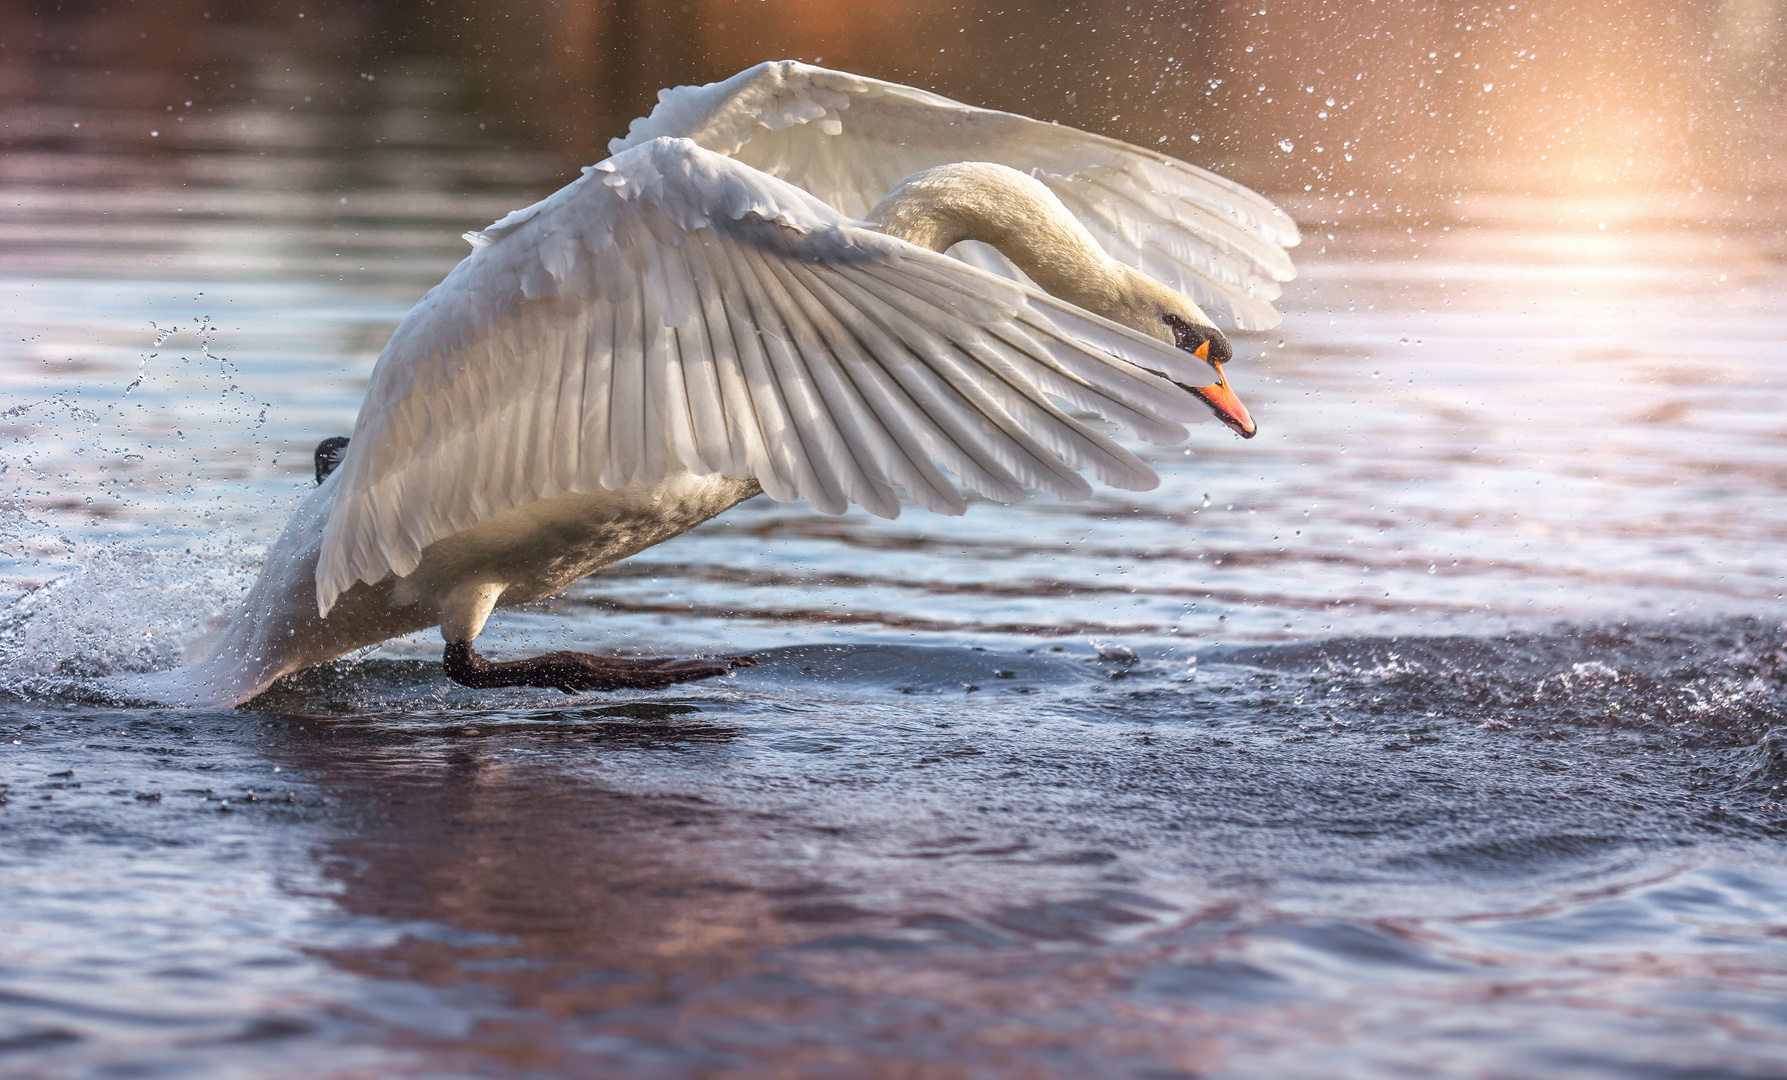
703 316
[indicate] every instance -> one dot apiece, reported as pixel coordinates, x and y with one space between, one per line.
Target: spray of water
75 611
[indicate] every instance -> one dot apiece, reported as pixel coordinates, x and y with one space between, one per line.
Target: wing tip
1289 235
327 592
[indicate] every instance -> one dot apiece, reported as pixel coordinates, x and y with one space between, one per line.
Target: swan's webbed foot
329 453
574 671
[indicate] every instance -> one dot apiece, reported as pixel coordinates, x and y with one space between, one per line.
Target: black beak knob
1190 336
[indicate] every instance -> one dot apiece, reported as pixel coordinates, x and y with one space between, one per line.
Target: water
1454 856
1439 731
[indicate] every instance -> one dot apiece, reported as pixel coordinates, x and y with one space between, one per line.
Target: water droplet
1286 145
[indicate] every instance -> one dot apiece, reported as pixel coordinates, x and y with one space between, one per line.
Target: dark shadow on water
903 669
1710 685
371 687
640 725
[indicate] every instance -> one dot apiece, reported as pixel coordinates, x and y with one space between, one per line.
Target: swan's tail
200 685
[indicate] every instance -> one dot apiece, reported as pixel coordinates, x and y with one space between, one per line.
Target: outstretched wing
676 310
850 140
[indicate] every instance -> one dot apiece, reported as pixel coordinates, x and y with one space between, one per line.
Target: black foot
572 671
329 453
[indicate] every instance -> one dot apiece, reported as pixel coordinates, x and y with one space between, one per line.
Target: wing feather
1082 378
891 381
967 395
746 447
761 396
840 362
850 140
655 425
804 430
841 458
674 311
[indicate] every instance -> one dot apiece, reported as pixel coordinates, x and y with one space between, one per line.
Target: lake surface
1441 730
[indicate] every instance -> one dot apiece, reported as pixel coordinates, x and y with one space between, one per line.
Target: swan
751 295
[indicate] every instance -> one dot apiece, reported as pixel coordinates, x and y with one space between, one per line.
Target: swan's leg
464 610
573 671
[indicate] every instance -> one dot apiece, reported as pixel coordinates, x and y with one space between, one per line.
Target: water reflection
738 882
1080 866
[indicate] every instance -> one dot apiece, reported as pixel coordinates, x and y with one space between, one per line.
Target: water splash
79 611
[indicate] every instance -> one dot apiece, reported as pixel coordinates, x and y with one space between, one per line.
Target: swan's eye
1204 342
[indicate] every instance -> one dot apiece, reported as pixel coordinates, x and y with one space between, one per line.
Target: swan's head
1207 343
1018 215
1164 313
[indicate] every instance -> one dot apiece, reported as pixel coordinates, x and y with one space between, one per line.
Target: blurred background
1648 107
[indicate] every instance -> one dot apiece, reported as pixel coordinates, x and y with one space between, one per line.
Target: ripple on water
1220 868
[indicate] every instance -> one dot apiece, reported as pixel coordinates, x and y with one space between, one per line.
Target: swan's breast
536 550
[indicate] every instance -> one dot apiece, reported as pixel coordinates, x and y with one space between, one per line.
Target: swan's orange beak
1222 400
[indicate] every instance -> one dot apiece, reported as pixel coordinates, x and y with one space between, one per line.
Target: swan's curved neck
1025 222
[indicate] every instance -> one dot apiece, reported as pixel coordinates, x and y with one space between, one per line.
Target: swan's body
679 330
